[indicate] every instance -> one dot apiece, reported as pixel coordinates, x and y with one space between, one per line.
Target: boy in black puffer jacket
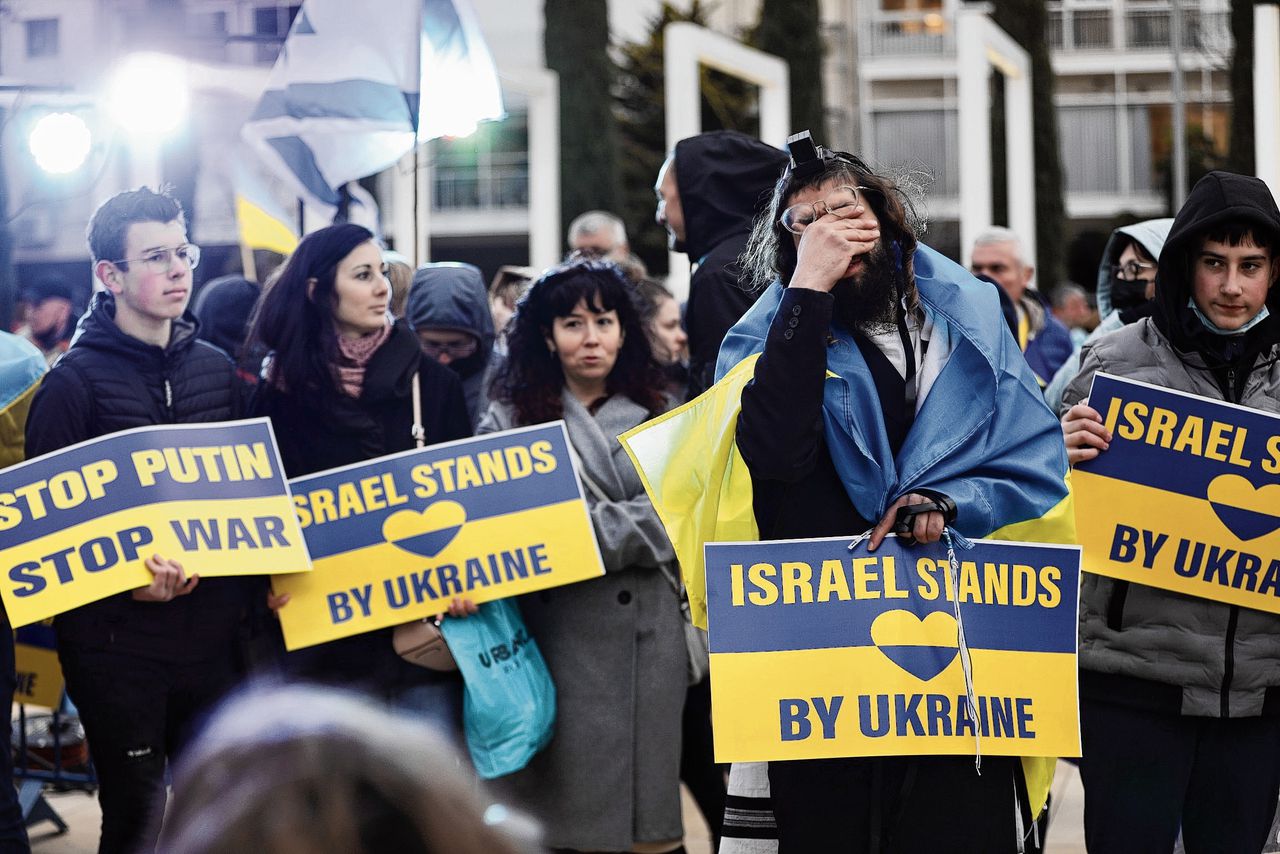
141 666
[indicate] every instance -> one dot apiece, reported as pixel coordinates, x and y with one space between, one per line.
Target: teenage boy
1180 696
142 665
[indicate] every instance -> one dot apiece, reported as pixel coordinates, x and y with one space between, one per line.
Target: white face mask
1218 330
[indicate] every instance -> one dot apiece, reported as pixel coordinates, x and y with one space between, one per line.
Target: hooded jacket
1151 235
452 297
725 179
223 307
1152 648
109 381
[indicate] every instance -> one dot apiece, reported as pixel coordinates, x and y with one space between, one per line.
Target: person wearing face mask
448 309
1179 695
709 190
1126 288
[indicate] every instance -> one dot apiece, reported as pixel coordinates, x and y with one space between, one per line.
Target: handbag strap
418 431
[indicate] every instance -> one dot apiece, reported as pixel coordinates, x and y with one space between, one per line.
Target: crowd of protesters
807 260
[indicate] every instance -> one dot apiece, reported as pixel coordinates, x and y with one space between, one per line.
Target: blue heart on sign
426 533
923 648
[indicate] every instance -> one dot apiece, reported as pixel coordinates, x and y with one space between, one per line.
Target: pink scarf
354 356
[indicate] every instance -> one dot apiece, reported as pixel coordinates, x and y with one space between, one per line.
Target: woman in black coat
338 388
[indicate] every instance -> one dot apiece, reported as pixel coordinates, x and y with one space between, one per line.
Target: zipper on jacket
1229 665
1231 385
168 398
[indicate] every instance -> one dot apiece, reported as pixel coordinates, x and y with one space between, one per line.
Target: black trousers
1147 774
13 830
899 805
138 714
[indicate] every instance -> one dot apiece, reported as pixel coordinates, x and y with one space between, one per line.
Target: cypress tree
576 41
792 30
1027 21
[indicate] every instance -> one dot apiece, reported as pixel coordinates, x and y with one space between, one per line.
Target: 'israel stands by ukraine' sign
819 651
1187 496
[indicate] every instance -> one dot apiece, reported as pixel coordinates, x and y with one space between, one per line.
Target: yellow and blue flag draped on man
982 436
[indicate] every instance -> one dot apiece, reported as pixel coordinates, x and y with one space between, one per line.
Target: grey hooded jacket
452 297
1142 644
1151 234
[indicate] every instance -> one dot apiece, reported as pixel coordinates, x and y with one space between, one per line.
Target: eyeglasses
842 202
455 349
1131 270
161 260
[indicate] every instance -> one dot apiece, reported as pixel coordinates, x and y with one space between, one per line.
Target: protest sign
396 538
819 651
35 652
76 525
1187 496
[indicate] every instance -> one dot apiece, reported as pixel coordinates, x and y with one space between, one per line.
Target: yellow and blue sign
396 538
36 665
76 525
1187 496
819 651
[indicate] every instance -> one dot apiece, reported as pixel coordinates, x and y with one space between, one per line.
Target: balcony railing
497 186
897 34
909 34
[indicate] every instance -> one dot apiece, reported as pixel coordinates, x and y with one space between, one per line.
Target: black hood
725 179
97 330
223 307
1217 198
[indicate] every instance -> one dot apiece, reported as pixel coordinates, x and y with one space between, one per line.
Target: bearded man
873 375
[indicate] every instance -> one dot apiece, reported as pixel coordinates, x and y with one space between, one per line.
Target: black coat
320 433
725 179
110 381
797 492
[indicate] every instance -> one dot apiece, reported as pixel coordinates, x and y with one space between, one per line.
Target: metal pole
1178 162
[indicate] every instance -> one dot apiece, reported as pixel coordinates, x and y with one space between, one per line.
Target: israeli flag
356 86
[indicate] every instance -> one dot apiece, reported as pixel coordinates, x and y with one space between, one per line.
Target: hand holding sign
168 581
1084 433
1188 496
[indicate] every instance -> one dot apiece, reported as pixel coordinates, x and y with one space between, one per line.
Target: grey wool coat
615 647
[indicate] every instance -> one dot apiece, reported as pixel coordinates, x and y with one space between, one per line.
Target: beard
868 301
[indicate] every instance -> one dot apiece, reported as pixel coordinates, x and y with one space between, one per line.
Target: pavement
80 812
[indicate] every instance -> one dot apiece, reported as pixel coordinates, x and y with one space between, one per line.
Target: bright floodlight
60 142
148 94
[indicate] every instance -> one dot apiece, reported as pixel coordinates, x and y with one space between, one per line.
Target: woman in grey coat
610 779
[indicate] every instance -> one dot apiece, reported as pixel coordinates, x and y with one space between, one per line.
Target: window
42 38
272 23
1087 136
920 140
488 170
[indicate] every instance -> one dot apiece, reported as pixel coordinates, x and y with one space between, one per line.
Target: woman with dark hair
660 314
610 779
338 388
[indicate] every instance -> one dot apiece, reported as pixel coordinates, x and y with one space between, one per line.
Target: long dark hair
533 379
771 251
297 327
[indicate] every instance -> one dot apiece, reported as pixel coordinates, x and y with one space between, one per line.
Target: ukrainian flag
982 435
21 368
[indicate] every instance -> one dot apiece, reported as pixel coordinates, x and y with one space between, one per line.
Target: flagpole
247 262
416 201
